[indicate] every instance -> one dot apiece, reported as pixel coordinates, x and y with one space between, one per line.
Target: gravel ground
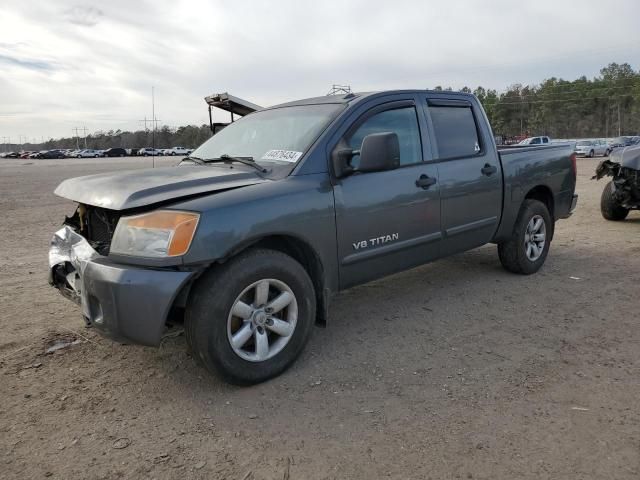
457 369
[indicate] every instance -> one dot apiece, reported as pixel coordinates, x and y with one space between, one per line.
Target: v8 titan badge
375 241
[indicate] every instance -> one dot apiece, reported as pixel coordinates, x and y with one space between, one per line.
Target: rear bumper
122 302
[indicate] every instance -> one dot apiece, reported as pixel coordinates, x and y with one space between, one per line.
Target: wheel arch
543 194
301 251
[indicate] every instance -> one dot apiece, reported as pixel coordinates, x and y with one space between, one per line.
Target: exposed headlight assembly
159 234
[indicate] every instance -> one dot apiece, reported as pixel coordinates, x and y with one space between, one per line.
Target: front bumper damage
123 302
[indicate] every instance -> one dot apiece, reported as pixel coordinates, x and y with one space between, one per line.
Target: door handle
488 170
425 181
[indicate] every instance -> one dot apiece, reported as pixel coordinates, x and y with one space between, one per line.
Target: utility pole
84 132
153 135
75 130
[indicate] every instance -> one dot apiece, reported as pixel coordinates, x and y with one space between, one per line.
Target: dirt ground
457 369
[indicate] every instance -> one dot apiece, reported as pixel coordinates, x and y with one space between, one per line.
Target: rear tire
211 320
610 208
517 254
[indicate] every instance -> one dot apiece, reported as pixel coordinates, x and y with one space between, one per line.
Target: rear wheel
526 251
249 319
609 206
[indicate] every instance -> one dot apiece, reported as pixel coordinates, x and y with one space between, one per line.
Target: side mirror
379 151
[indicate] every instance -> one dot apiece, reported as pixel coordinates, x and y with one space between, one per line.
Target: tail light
574 166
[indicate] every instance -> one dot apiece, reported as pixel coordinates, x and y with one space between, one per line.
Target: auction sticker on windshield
282 155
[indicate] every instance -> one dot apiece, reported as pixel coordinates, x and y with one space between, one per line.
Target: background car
148 152
591 148
88 153
178 151
620 142
535 141
115 152
55 153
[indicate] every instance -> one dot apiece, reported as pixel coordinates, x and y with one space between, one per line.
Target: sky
67 64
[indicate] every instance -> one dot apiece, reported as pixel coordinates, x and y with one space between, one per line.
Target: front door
387 221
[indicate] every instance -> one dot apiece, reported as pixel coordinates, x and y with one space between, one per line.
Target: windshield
583 143
280 135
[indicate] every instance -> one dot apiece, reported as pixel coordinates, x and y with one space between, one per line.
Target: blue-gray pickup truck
244 242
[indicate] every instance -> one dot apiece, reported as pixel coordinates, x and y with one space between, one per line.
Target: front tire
591 154
248 319
609 206
526 251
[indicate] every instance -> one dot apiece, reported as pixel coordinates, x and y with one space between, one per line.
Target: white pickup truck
178 151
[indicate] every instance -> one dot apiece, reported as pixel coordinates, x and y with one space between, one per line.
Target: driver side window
401 121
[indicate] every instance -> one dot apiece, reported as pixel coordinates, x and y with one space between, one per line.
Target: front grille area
99 229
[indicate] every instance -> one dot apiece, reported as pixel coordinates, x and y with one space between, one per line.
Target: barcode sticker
282 155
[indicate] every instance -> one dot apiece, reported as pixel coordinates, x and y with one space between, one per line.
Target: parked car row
587 147
95 153
596 147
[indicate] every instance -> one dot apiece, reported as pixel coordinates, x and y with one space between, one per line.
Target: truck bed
526 167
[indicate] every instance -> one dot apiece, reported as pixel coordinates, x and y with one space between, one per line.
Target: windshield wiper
197 160
244 160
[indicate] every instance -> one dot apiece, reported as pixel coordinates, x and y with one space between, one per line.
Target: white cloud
67 64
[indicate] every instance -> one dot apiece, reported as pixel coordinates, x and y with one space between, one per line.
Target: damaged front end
69 254
86 235
124 302
624 168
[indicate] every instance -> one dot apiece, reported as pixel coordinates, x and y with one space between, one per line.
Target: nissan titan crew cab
245 241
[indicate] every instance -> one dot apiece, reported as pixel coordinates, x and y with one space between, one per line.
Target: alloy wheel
262 320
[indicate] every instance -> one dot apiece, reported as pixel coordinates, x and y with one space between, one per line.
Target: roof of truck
357 96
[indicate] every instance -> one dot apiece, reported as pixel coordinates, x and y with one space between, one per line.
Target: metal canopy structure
231 104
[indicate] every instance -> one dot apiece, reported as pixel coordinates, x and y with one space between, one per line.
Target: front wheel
591 154
526 251
248 319
609 206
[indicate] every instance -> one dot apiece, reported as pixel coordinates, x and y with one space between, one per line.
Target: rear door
387 221
469 173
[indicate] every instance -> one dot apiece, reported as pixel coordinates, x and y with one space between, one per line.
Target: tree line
605 106
189 136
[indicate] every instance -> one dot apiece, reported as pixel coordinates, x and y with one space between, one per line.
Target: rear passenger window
401 121
455 130
545 140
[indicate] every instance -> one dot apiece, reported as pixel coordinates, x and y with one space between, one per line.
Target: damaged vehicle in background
622 193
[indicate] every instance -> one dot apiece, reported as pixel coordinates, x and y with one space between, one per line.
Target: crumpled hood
137 188
627 157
